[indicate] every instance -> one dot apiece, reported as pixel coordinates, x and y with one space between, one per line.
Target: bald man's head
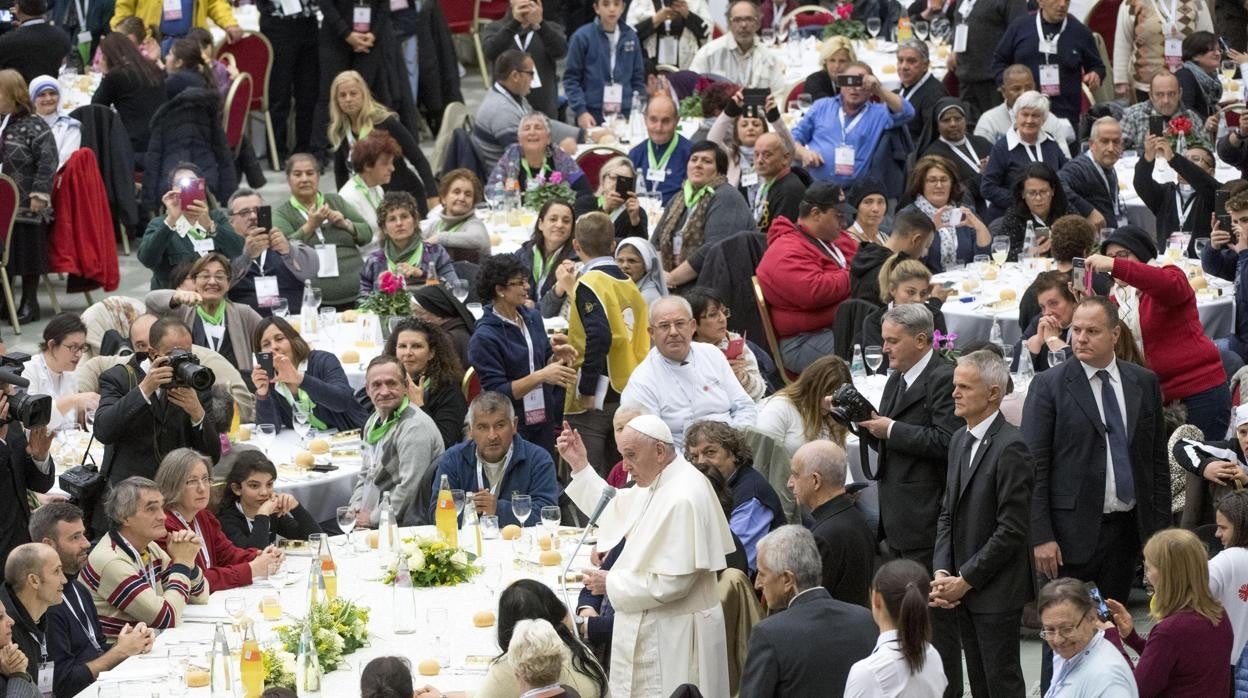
140 329
817 473
770 156
1164 93
661 119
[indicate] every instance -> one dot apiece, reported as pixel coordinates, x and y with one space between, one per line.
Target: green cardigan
345 288
162 249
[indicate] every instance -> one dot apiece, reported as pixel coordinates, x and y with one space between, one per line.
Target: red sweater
1185 655
229 568
1175 345
802 283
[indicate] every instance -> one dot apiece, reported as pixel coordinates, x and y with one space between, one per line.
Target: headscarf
653 277
439 301
931 128
65 129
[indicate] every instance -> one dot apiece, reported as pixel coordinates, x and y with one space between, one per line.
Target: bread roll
374 539
429 667
319 446
483 619
347 316
244 433
511 532
350 356
196 677
1199 282
303 459
544 543
549 558
1008 294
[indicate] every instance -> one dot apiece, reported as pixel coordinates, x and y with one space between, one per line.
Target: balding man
662 159
778 191
669 627
33 581
1165 98
981 555
683 381
1090 181
846 543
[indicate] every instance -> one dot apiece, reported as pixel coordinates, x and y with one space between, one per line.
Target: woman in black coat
310 378
187 128
133 86
251 514
946 135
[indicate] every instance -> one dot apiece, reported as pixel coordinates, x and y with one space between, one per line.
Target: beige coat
240 322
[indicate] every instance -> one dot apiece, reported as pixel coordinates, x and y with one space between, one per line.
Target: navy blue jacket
675 168
1086 192
1005 165
498 351
530 471
325 382
68 645
1076 53
1221 262
747 483
588 68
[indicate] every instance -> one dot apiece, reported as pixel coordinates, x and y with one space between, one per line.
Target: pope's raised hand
572 448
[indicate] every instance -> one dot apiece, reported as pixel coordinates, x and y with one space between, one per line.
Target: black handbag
84 482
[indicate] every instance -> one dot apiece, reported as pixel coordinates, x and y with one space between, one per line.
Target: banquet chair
253 54
795 92
809 16
455 116
465 17
234 116
471 384
1102 18
592 160
771 459
8 214
773 343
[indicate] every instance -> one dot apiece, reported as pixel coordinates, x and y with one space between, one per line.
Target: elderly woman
532 155
711 315
937 193
946 135
834 54
1070 626
185 482
1187 617
28 155
45 92
304 379
623 206
182 236
216 322
1022 145
52 371
637 258
737 132
402 251
327 223
707 210
672 32
549 248
454 224
372 160
1038 200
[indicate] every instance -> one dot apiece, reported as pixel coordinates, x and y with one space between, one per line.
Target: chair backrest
489 10
796 92
455 115
471 385
253 54
237 106
1104 93
8 212
460 15
592 160
809 16
773 343
1102 19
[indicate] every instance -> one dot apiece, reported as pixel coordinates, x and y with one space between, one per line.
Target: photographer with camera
153 404
24 455
910 432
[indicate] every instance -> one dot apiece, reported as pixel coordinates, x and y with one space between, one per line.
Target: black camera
31 410
187 371
849 406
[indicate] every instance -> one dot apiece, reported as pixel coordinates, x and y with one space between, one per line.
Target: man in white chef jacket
669 627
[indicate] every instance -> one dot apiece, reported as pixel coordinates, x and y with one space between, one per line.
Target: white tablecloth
359 580
319 493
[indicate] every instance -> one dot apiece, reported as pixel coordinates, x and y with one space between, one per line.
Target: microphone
7 376
608 493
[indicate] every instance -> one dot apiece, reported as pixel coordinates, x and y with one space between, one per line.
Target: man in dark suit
141 418
845 542
808 644
1097 437
35 48
911 435
918 86
25 464
982 558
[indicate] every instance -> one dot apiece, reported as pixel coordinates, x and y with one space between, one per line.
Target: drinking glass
393 322
281 308
1000 249
521 507
436 618
492 575
1056 357
175 680
271 607
782 33
265 433
1200 245
301 420
769 36
328 317
346 521
804 101
550 520
276 574
459 288
89 414
476 309
235 605
459 499
489 526
874 356
940 29
920 30
793 107
873 26
1228 70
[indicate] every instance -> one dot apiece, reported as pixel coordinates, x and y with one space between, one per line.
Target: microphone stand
563 578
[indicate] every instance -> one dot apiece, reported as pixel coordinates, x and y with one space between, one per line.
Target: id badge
1050 80
204 247
959 38
749 179
1174 53
678 245
84 38
844 161
362 19
291 8
396 5
668 49
656 175
45 677
266 291
1048 46
534 407
612 96
182 226
172 10
327 255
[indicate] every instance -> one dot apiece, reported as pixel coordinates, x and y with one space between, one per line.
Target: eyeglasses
1038 193
219 278
75 348
937 180
244 211
743 20
718 312
526 72
1064 633
521 283
199 482
669 327
1120 254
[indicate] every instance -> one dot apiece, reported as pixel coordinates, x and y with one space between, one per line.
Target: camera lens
194 375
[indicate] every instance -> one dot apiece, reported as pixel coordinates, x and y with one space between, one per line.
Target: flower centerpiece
339 627
845 25
547 187
279 668
943 343
434 564
390 298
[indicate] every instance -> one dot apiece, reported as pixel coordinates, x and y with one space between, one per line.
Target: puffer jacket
187 128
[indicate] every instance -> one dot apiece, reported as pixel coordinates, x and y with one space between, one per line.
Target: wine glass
920 30
874 356
782 33
265 433
89 414
459 288
804 101
235 605
301 420
769 36
1200 245
459 499
521 507
1000 249
1055 358
436 618
281 308
940 29
1228 70
492 575
346 522
873 27
550 520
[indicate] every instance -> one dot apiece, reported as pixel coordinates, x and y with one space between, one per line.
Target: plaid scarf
693 230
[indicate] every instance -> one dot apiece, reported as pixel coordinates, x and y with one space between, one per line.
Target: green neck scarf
369 195
411 254
375 432
320 200
692 197
216 318
304 401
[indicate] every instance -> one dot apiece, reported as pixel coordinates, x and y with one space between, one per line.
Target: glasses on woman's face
75 348
1064 632
725 313
937 180
205 278
198 482
1120 254
1038 194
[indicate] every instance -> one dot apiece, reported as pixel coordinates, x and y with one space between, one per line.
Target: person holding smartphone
1183 206
268 258
617 197
192 226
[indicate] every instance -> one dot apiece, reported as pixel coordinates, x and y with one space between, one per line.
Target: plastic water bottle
637 120
1025 370
307 664
307 312
220 677
403 596
994 335
1029 240
857 369
385 529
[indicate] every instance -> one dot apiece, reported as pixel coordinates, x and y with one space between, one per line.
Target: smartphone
850 80
624 186
735 347
1156 125
1102 608
1226 48
264 217
755 101
264 359
1080 272
1232 118
191 190
1042 233
1220 197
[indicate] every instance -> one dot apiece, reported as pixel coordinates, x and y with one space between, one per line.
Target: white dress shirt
910 376
979 431
1112 503
884 674
722 56
43 381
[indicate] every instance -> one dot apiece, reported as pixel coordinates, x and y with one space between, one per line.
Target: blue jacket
1005 165
326 384
588 68
68 644
1076 54
498 351
821 131
675 167
530 471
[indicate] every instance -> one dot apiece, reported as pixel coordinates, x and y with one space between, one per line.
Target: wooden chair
8 214
253 54
466 17
793 93
773 343
592 160
471 384
234 115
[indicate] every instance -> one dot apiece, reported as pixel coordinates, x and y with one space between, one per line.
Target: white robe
669 627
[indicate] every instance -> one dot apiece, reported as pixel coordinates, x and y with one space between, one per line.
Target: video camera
187 371
31 410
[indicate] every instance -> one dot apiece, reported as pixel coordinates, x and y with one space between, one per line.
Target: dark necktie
970 450
1119 451
901 392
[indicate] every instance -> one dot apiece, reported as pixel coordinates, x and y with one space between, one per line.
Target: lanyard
973 163
667 154
42 639
846 130
906 93
149 573
541 269
760 197
501 476
1183 211
533 692
74 607
834 252
1111 191
1040 35
320 201
613 38
528 173
251 523
965 8
1169 19
374 432
413 260
528 39
369 195
203 542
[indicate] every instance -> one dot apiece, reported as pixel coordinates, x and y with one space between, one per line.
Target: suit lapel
1081 391
914 392
980 452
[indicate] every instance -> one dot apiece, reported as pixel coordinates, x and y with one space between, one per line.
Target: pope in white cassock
669 627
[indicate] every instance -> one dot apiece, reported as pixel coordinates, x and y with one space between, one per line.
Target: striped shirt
148 588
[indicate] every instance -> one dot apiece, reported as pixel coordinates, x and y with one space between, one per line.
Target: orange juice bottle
445 518
251 666
903 29
329 570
